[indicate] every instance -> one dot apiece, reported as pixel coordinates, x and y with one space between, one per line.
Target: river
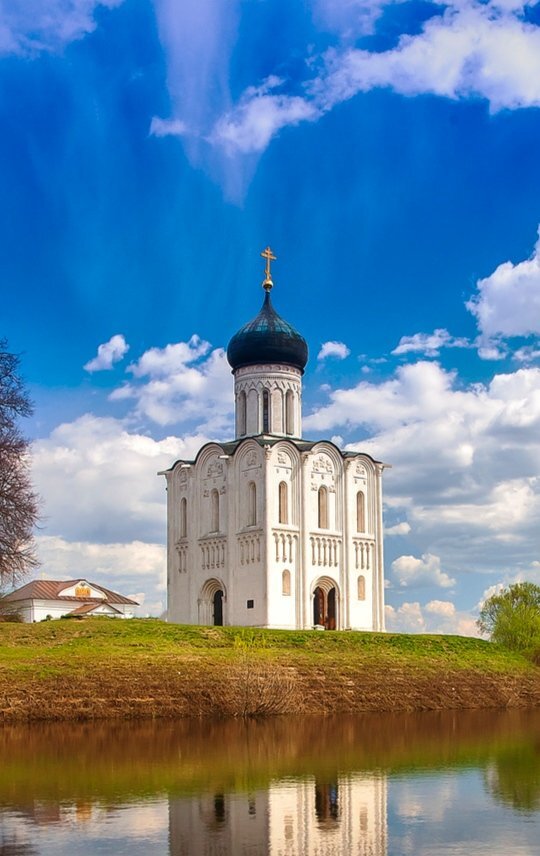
457 783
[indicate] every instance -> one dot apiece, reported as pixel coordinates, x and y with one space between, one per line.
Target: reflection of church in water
271 530
341 816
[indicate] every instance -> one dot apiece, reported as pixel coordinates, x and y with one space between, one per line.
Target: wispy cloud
29 27
429 344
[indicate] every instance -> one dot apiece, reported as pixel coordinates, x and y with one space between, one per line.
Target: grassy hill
101 668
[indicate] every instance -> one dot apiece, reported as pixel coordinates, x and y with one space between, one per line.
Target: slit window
323 508
283 503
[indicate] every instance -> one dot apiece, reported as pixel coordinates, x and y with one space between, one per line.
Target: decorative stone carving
322 465
251 458
215 468
282 458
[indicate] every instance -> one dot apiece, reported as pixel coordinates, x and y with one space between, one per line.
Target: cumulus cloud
29 27
108 354
429 344
411 572
402 528
181 383
465 459
437 616
99 482
507 304
333 349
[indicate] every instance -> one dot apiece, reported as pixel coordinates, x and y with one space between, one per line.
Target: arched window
361 588
286 583
360 512
266 411
214 511
252 504
183 517
242 414
283 503
289 412
323 507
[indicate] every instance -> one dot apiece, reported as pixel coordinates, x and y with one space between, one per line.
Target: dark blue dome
267 339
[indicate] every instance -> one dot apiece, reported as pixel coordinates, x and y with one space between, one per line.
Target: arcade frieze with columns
271 530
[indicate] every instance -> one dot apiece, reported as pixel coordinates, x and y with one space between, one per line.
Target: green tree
18 502
512 616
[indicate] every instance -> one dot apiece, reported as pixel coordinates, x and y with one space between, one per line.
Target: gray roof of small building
49 590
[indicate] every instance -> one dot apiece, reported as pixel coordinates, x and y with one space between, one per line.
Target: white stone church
270 529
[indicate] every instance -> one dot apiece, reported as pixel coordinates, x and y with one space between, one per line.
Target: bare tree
18 502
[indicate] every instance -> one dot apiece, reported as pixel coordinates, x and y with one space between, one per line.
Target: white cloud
402 528
527 354
435 617
126 563
260 115
168 127
107 354
465 461
28 27
470 50
333 349
411 572
441 607
348 18
99 482
507 304
182 383
161 362
429 344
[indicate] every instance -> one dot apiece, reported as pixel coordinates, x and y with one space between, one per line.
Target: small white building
42 599
270 529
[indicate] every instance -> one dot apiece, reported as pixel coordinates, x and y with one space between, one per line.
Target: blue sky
388 152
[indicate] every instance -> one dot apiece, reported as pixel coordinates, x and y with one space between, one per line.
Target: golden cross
270 257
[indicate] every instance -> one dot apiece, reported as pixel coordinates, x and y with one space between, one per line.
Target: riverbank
102 669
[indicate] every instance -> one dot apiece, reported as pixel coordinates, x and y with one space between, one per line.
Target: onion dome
268 338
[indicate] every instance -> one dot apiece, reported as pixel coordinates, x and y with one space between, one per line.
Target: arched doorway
325 604
218 609
212 602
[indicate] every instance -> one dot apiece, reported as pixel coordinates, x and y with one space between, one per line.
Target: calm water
462 783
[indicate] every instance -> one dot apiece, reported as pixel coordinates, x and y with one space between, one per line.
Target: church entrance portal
218 609
213 603
324 607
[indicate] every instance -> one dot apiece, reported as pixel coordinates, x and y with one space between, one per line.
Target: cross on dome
270 257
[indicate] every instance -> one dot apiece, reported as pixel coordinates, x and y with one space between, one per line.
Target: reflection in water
289 818
407 785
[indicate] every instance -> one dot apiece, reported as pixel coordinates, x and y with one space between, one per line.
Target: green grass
72 642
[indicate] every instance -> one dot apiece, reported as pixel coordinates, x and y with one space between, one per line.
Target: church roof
268 338
230 447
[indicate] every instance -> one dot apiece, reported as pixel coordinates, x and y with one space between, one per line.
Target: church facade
270 529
